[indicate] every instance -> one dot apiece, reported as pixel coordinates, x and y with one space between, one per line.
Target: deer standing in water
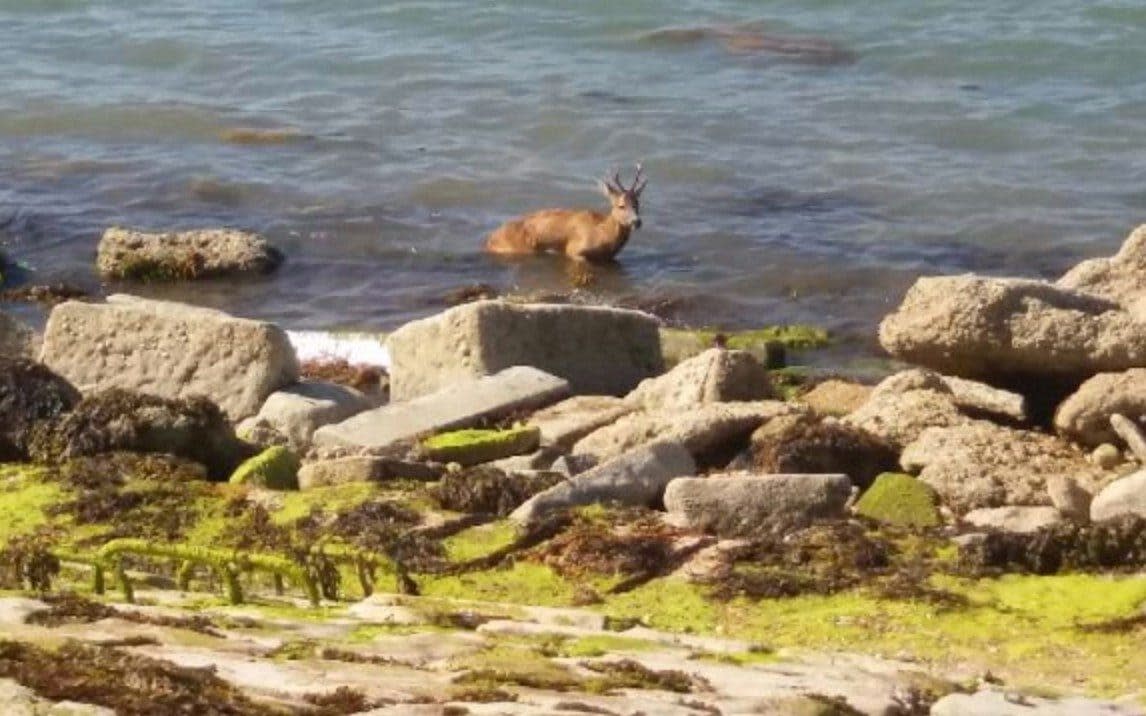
582 235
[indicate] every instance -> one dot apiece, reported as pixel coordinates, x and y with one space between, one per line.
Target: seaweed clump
1118 544
29 393
367 378
806 445
488 490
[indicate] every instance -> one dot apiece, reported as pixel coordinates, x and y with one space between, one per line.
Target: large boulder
900 418
981 464
1085 416
637 477
29 393
119 420
712 428
598 350
1120 278
171 350
1011 331
714 376
735 505
180 255
298 410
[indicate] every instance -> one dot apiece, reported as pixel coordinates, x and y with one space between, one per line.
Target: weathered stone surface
704 429
15 338
600 351
1124 496
364 468
902 500
298 410
1004 330
804 444
714 376
836 397
1013 519
1000 703
1106 456
986 465
900 418
570 420
1069 498
169 349
179 255
637 477
1120 278
1085 416
275 468
457 406
734 505
29 392
971 397
1131 433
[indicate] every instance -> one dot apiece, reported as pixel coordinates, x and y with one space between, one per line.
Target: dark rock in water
194 428
29 393
805 444
751 39
47 294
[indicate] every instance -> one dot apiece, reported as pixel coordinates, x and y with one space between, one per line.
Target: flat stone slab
570 420
457 406
298 410
179 255
599 350
168 349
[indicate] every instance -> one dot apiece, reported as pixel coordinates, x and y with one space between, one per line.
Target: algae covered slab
472 447
901 500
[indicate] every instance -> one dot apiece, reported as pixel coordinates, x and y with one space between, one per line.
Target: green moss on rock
275 468
769 343
900 500
472 447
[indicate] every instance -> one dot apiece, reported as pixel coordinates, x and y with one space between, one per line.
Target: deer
580 234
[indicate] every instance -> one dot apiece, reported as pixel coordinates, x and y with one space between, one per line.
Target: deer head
625 201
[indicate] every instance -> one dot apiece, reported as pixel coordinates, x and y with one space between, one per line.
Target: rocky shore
547 508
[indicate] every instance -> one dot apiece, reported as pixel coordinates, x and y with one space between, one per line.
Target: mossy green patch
900 500
594 646
25 496
480 541
768 343
296 505
275 468
521 583
472 446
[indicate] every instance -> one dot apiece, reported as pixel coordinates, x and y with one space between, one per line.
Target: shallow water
980 135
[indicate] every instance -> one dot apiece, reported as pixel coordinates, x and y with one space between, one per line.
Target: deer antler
615 182
637 188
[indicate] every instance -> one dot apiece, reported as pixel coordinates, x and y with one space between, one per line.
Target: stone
836 397
1069 498
15 338
971 397
472 447
714 376
1119 278
741 505
986 465
1124 496
1009 331
1131 434
364 468
1023 520
1106 456
18 700
1085 416
637 477
563 424
116 420
181 255
994 702
900 500
171 350
704 430
298 410
806 444
460 405
598 350
900 418
29 393
490 491
275 468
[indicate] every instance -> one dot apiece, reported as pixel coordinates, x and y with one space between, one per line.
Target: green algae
521 583
474 446
275 468
481 541
297 505
769 343
25 497
900 500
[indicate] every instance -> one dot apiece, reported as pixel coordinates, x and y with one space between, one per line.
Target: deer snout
637 223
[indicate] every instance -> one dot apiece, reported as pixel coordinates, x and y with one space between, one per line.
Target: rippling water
986 135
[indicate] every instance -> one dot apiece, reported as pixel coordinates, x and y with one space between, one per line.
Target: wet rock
836 397
900 500
15 338
364 468
1069 498
714 376
563 424
462 404
637 477
121 420
298 410
805 444
275 468
1013 519
29 393
1011 331
1124 496
735 505
708 429
169 349
985 465
598 350
900 418
181 255
1120 278
1085 416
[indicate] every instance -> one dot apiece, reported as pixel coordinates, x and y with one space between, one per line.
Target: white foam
354 348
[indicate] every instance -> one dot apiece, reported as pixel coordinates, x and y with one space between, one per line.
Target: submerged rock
900 500
1085 416
715 376
181 255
